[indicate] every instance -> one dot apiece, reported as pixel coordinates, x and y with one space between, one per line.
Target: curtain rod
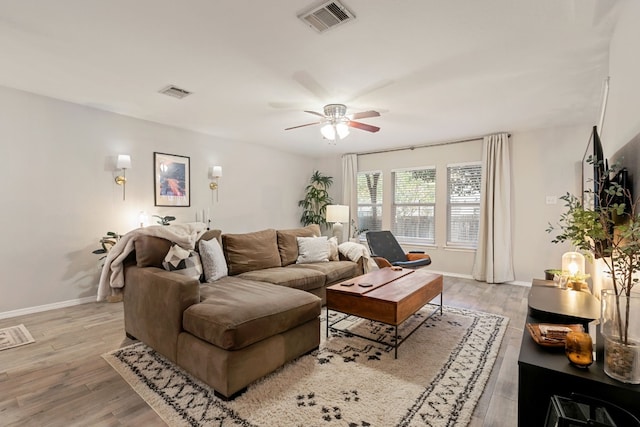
413 147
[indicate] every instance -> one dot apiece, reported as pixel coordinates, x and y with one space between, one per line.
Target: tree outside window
370 200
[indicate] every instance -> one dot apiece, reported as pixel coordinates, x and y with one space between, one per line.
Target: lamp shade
216 171
342 129
124 161
573 263
337 213
328 131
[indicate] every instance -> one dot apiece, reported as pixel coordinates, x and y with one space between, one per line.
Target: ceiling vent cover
175 91
326 16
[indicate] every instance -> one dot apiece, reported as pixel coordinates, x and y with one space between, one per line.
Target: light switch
552 200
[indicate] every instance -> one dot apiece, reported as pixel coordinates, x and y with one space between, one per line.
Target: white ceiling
436 70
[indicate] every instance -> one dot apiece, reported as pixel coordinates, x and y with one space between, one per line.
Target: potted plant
164 220
316 199
106 243
356 232
611 231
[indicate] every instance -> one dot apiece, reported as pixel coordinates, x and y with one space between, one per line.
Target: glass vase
621 331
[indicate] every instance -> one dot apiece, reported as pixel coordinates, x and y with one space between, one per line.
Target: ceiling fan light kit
336 122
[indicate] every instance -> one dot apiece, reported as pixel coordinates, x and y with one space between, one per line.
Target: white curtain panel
494 262
349 191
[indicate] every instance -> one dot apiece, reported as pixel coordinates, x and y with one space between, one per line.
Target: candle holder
579 349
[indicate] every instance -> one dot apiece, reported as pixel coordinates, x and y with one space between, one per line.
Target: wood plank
372 280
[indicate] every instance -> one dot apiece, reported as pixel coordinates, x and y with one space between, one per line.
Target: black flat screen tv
600 181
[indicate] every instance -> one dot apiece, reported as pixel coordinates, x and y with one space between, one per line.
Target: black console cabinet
543 371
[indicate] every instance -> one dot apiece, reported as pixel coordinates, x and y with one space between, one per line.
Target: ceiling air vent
175 91
327 16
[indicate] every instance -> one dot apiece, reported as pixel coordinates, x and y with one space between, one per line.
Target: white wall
545 162
622 120
58 194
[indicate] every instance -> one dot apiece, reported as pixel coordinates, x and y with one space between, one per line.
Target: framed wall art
171 180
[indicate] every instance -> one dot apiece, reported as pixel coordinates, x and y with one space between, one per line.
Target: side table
543 371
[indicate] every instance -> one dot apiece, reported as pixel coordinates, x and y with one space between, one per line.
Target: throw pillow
333 249
287 244
183 261
213 262
312 249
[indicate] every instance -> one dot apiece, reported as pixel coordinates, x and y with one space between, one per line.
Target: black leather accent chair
386 251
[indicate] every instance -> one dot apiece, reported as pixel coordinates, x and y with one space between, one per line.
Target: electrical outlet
552 200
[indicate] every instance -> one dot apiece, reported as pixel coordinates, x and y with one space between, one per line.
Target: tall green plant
316 199
610 231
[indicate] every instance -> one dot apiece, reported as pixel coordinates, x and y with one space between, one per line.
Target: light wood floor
61 380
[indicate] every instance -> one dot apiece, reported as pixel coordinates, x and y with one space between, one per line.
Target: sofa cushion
250 251
334 271
299 279
213 263
288 245
312 249
234 313
150 250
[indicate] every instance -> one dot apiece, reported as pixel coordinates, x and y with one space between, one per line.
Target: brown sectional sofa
241 327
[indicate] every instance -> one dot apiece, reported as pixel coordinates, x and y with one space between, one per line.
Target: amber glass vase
579 349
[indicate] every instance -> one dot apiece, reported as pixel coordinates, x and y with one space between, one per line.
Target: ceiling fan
336 122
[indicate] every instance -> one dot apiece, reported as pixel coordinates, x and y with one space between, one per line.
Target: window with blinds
463 207
414 204
369 201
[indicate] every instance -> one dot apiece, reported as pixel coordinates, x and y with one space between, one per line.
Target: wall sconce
337 214
123 163
215 174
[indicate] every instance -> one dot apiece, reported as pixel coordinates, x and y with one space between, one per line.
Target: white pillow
333 249
213 262
312 249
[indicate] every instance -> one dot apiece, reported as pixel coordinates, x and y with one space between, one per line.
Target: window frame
422 241
379 203
450 243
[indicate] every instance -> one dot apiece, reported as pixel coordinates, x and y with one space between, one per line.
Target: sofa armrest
154 300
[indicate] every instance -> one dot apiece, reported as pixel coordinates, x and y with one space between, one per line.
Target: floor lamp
337 214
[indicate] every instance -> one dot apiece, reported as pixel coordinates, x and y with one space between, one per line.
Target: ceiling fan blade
364 115
307 81
314 113
301 126
363 126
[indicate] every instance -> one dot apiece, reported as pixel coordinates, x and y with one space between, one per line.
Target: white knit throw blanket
355 251
112 276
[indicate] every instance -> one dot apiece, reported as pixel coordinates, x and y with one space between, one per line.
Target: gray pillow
213 262
312 249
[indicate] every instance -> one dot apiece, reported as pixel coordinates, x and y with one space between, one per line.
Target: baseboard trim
46 307
446 273
470 277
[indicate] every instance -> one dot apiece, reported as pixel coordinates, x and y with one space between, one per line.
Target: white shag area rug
437 379
14 336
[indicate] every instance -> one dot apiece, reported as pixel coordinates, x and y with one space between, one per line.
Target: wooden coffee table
387 296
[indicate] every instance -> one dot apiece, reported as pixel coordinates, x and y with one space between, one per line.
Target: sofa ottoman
243 330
